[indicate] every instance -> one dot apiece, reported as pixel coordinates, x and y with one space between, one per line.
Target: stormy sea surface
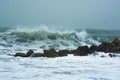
21 39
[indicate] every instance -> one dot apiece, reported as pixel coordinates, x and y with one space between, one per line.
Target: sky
91 14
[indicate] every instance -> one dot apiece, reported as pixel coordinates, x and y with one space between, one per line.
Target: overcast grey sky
101 14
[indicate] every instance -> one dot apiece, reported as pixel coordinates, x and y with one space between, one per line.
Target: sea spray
92 67
44 38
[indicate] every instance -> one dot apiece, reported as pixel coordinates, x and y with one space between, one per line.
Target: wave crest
47 38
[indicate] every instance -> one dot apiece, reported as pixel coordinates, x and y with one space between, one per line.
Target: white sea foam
65 68
92 67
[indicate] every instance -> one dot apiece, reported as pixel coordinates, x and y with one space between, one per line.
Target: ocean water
21 39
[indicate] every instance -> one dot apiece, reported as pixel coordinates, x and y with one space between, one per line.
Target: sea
91 67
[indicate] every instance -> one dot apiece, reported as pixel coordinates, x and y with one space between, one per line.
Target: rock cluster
106 47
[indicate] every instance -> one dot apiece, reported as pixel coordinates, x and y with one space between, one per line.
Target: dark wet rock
63 52
29 53
72 51
102 56
112 47
82 51
116 42
106 47
37 55
10 54
20 55
112 55
93 48
50 53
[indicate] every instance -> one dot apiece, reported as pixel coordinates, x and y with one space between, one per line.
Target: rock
29 53
93 48
10 55
82 51
37 55
116 42
106 47
50 53
102 56
20 55
63 52
113 47
112 55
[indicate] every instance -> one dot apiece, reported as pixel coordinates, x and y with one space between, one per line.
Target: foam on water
92 67
65 68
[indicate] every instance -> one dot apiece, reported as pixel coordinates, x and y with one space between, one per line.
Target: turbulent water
90 67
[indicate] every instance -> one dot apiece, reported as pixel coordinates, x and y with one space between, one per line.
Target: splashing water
60 68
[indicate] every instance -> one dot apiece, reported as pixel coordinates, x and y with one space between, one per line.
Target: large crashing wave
45 38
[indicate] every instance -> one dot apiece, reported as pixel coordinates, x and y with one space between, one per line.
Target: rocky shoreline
107 47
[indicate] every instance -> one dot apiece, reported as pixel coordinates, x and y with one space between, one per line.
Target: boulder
63 52
82 51
106 47
37 55
20 55
113 47
116 42
50 53
93 48
29 53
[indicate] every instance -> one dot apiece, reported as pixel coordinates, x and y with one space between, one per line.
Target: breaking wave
44 38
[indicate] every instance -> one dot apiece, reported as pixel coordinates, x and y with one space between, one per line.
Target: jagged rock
50 53
20 55
82 51
63 52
